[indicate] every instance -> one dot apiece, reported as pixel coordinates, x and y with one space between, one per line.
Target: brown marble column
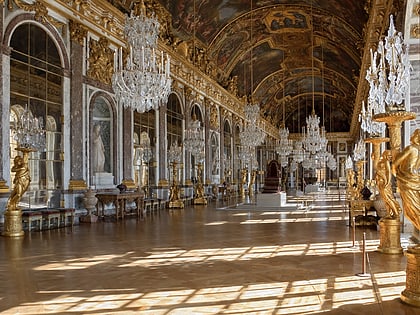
5 116
77 34
128 148
163 147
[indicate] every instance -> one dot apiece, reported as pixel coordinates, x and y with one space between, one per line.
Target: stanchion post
354 231
364 258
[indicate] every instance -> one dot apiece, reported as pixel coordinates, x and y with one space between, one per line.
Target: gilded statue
406 167
244 174
352 192
174 193
251 183
383 183
20 182
199 187
232 85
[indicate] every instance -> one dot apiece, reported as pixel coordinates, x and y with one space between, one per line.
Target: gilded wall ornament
415 31
101 58
214 116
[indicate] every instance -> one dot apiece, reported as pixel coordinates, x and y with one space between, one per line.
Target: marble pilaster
77 180
128 148
163 145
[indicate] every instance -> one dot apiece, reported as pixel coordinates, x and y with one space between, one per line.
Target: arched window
227 151
174 120
102 140
36 81
145 148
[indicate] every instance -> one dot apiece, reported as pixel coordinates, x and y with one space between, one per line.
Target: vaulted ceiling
292 56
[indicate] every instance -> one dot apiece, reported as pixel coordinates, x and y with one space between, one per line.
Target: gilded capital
78 32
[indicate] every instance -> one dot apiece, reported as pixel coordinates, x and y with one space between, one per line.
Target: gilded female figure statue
383 182
406 167
21 181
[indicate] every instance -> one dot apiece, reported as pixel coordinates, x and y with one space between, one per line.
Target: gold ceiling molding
98 16
40 9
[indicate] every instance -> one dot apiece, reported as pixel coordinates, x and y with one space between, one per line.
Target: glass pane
38 83
53 56
19 78
19 40
38 39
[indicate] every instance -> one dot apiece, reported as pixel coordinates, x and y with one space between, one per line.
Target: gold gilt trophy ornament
175 156
30 137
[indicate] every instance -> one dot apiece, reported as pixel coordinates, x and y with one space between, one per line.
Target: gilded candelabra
389 79
174 156
174 192
30 136
13 214
200 198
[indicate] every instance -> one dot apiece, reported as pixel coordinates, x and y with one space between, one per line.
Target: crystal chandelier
194 139
298 152
314 139
359 150
373 128
389 79
29 131
251 135
349 163
143 81
175 153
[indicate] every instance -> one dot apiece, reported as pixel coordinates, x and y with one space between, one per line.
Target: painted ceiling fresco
291 55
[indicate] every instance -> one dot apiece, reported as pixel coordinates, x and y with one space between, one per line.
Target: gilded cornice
99 16
39 7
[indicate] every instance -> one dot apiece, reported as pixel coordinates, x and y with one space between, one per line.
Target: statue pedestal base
13 224
89 218
103 180
200 201
176 204
390 230
411 294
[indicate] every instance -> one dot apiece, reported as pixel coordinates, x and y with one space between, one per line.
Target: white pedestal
272 200
103 180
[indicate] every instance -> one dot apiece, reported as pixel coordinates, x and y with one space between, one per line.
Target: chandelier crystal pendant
142 82
29 131
312 135
194 139
390 76
251 135
359 150
284 146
